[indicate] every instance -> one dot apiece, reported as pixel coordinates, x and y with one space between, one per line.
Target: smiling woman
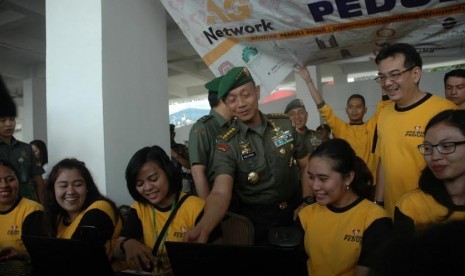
441 196
18 215
73 202
160 212
342 217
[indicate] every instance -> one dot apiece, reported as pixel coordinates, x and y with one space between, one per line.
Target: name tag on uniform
248 155
282 138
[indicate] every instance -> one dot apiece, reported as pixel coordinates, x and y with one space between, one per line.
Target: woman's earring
348 187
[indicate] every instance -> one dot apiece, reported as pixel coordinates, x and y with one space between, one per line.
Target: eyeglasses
444 147
381 78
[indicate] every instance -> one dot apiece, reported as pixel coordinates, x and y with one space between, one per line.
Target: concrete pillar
107 90
35 110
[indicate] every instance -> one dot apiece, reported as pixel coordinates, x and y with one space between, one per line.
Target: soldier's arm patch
223 147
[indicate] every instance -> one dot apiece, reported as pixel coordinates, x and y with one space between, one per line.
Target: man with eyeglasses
454 83
254 158
400 127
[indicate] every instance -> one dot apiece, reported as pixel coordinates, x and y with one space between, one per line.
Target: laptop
189 259
54 256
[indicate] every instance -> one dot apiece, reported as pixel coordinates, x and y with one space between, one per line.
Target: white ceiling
22 50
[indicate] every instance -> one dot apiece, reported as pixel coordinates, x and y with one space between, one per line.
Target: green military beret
213 84
294 104
234 78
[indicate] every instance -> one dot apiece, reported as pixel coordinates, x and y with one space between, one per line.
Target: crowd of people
356 191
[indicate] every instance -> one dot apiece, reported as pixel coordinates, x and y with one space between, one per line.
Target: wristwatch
308 200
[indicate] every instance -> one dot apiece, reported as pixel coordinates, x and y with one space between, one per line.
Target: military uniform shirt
24 218
21 156
313 139
260 159
202 141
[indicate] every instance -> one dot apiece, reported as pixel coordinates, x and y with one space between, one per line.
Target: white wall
336 95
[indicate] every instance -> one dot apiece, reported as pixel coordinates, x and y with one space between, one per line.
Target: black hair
346 161
428 182
12 167
356 96
7 105
43 151
213 98
158 156
412 57
53 211
454 73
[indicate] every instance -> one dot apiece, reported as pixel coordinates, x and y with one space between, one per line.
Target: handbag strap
167 224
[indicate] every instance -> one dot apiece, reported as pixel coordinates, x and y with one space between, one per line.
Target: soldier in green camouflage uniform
202 140
255 157
299 115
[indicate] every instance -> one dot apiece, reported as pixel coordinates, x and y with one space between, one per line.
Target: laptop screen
53 256
219 259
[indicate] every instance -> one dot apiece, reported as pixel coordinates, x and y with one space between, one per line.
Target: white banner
271 36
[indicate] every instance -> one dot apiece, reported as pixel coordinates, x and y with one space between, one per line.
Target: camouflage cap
234 78
294 104
214 84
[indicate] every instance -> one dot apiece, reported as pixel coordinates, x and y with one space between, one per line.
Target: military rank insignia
282 138
223 147
246 150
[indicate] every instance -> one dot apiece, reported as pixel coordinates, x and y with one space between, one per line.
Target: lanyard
155 234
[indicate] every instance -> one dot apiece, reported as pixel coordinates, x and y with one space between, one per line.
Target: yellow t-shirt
400 131
360 137
424 210
12 223
336 238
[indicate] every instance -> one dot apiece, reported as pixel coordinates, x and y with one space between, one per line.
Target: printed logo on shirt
180 234
354 236
13 231
416 132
